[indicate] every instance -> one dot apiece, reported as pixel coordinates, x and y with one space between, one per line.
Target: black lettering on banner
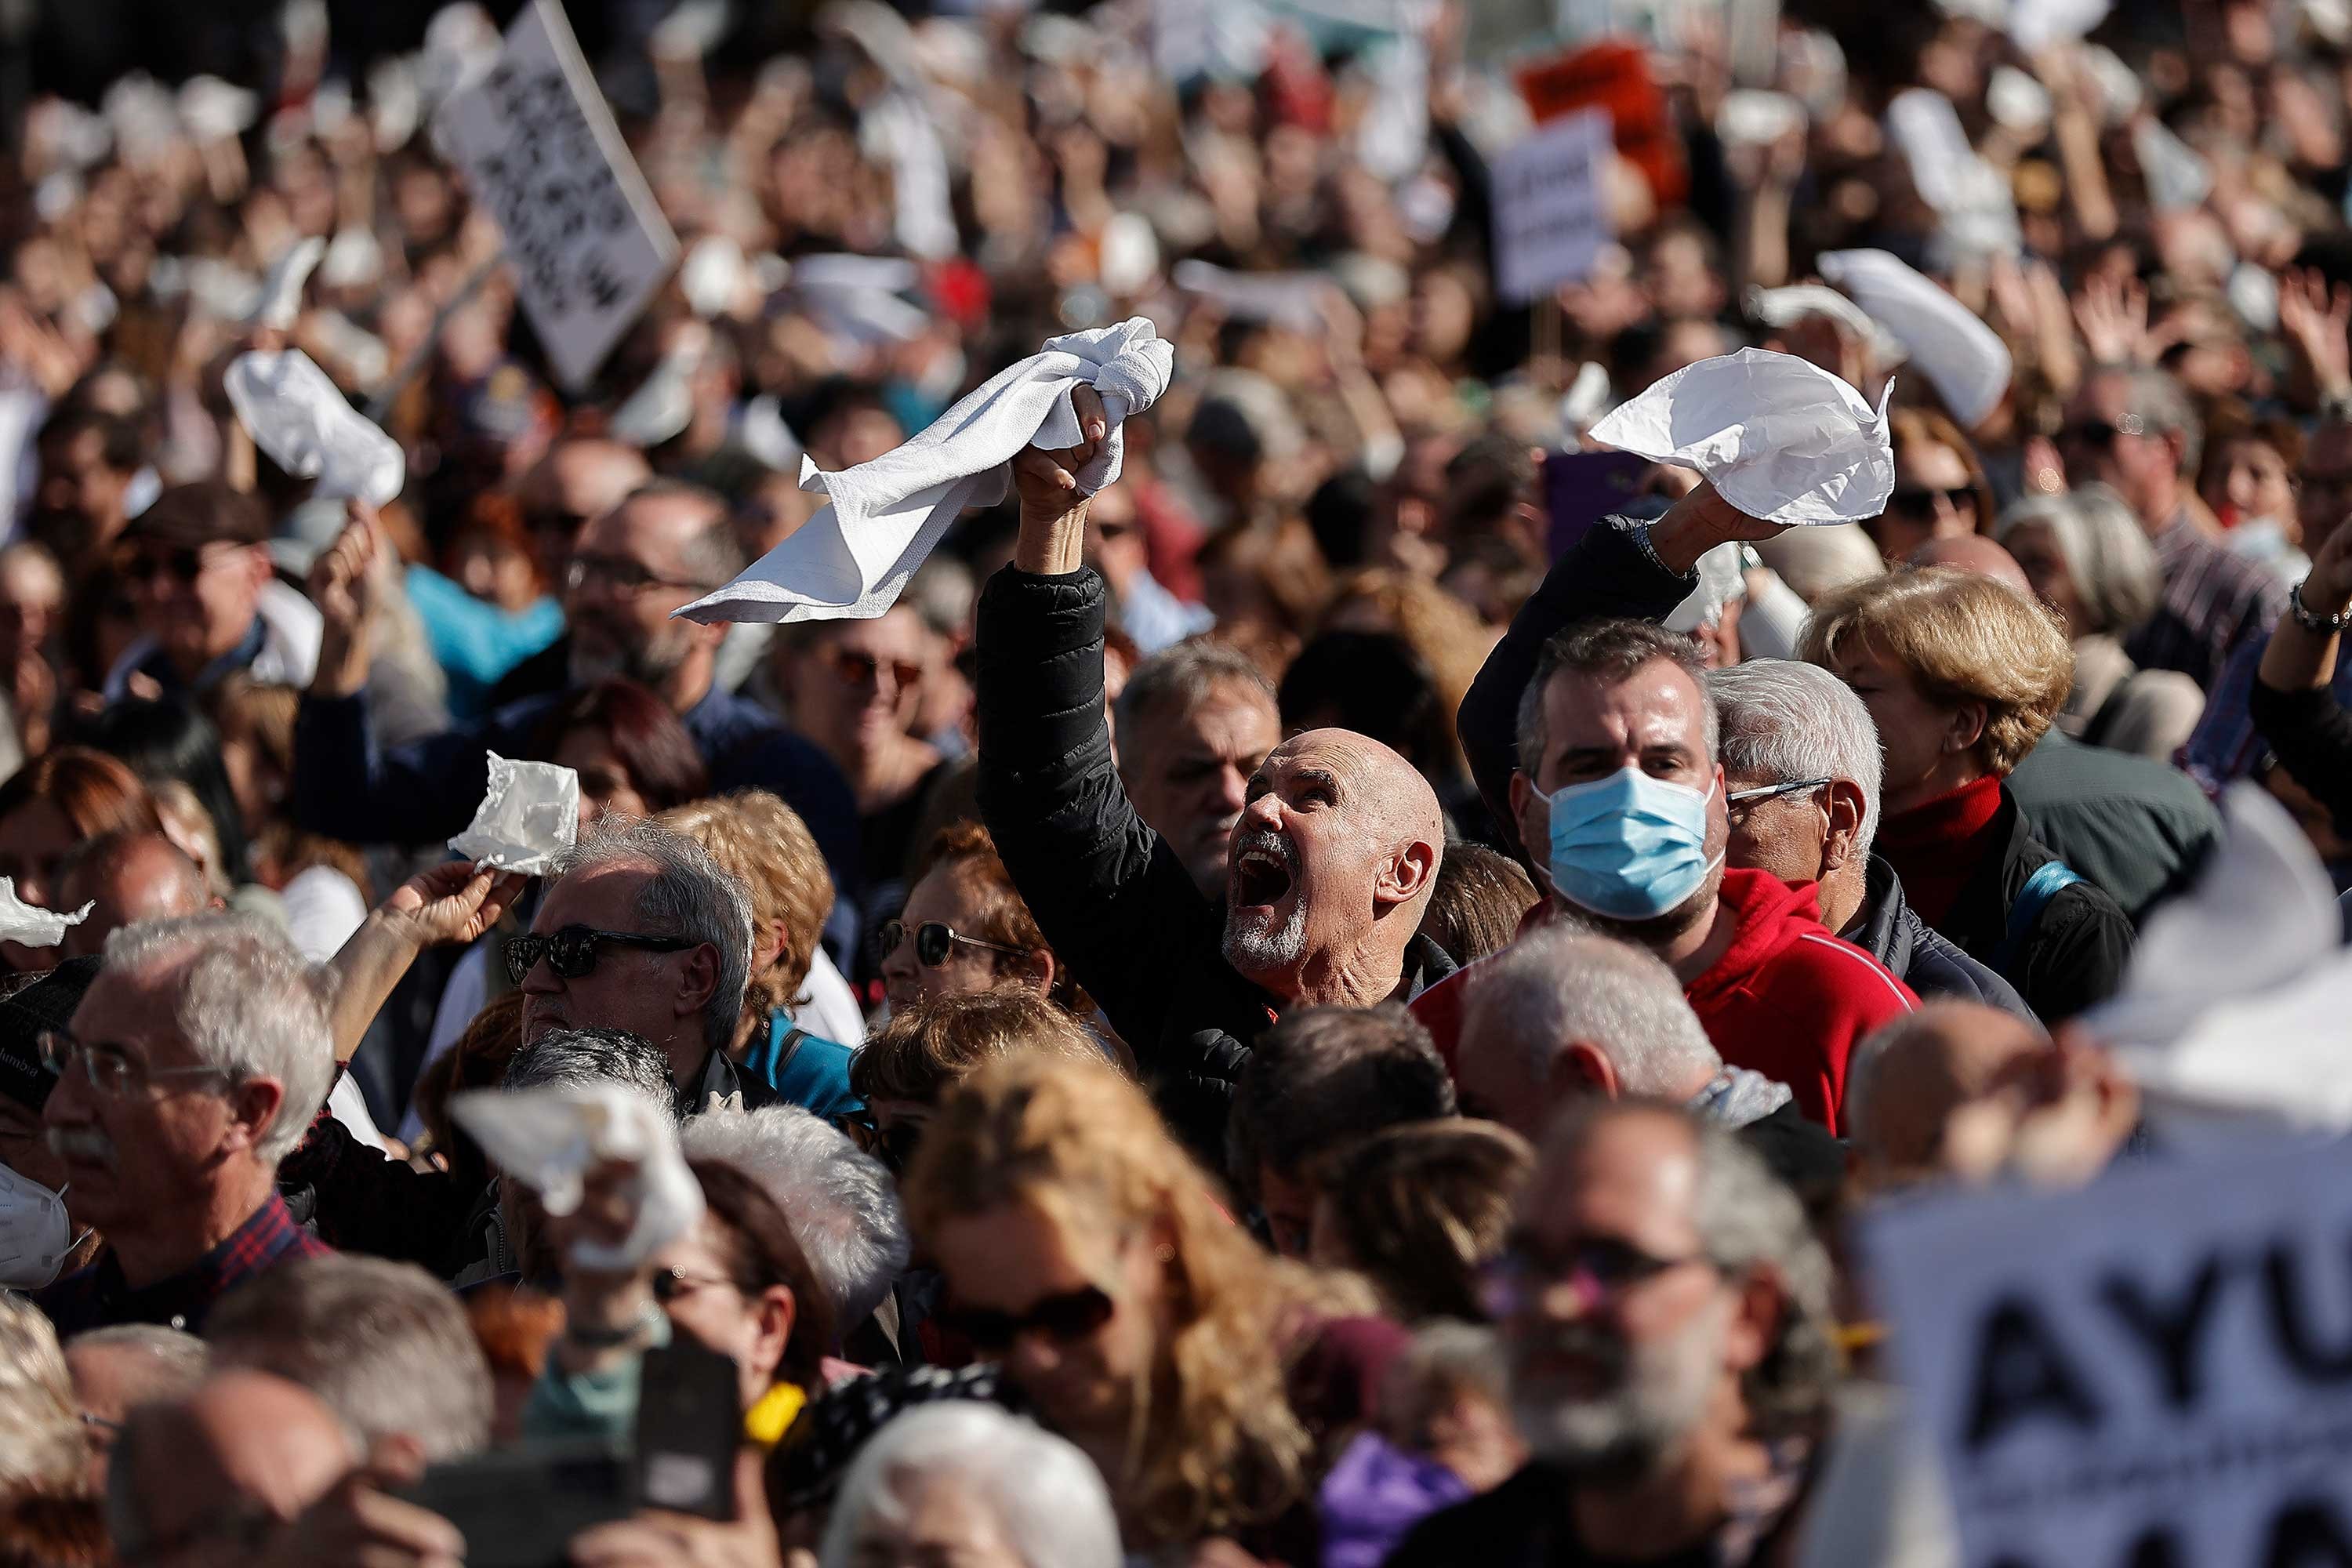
2168 1332
2283 1303
2021 1371
2308 1533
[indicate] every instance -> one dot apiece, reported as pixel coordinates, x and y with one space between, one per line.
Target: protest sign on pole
539 148
1615 75
1550 220
2154 1371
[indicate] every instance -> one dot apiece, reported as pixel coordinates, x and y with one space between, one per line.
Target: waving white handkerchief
310 429
551 1138
1780 438
27 926
1786 306
850 560
1964 359
282 290
529 814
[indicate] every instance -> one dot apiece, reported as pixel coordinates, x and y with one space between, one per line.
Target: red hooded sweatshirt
1787 999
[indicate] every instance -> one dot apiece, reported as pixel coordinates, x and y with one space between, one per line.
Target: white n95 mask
35 1232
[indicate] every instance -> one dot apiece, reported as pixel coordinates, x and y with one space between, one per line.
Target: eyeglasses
1920 501
1598 1269
1736 802
893 1145
2100 434
854 668
934 938
572 951
110 1069
1064 1319
675 1284
622 575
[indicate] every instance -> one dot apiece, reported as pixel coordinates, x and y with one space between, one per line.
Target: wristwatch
2311 620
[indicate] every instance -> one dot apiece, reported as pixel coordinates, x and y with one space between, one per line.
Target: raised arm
1116 905
450 903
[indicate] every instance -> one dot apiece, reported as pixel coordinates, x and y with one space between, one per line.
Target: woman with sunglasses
1940 488
964 928
65 797
737 1283
1083 1249
632 756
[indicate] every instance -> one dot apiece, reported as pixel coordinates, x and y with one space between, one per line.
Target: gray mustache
84 1144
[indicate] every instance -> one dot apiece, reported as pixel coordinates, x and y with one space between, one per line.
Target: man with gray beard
1667 1313
1332 862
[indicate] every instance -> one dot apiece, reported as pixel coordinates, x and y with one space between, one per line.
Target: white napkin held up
310 429
529 814
1780 438
551 1138
27 926
851 560
1964 359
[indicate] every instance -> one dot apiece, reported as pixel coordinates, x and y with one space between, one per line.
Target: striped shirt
2215 602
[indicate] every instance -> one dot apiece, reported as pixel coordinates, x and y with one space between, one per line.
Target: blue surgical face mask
1628 846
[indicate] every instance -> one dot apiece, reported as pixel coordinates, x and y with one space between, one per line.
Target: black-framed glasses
935 939
1738 801
573 950
669 1285
622 575
184 563
1598 1269
893 1145
111 1071
1065 1319
1920 500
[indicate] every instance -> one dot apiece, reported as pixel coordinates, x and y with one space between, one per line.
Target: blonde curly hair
1964 639
1214 1444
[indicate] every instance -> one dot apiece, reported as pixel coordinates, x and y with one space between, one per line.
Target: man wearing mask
1620 782
1665 1312
666 544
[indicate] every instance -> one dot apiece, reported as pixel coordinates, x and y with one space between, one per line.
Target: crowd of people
1334 1002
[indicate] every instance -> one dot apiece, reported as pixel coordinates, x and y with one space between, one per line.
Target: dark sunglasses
933 939
1064 1319
184 563
2100 434
1920 501
893 1145
573 950
854 668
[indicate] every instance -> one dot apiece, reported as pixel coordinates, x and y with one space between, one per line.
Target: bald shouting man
1332 862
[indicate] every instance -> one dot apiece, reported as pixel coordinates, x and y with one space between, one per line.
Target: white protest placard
587 244
2155 1372
1549 220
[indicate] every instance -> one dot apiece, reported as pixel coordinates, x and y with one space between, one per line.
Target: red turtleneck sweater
1937 847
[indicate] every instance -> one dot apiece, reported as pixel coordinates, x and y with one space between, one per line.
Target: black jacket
1888 929
1115 904
2074 954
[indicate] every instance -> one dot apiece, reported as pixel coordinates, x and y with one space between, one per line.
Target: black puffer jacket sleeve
1610 572
1119 908
2075 956
2312 735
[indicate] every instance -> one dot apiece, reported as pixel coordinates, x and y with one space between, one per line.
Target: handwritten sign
1615 75
586 242
2155 1372
1549 223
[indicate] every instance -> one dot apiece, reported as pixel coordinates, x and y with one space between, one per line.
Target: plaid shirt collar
99 1295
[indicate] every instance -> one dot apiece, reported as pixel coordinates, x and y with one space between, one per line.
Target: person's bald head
1333 863
1907 1079
191 1474
1974 552
127 878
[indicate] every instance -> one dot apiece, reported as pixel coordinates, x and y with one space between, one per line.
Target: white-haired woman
961 1481
2087 556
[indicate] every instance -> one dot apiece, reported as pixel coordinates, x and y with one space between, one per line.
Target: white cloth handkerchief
1780 438
26 926
850 560
1964 359
529 814
551 1138
299 417
282 290
1787 307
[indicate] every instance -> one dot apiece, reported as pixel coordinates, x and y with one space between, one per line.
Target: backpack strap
2048 880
